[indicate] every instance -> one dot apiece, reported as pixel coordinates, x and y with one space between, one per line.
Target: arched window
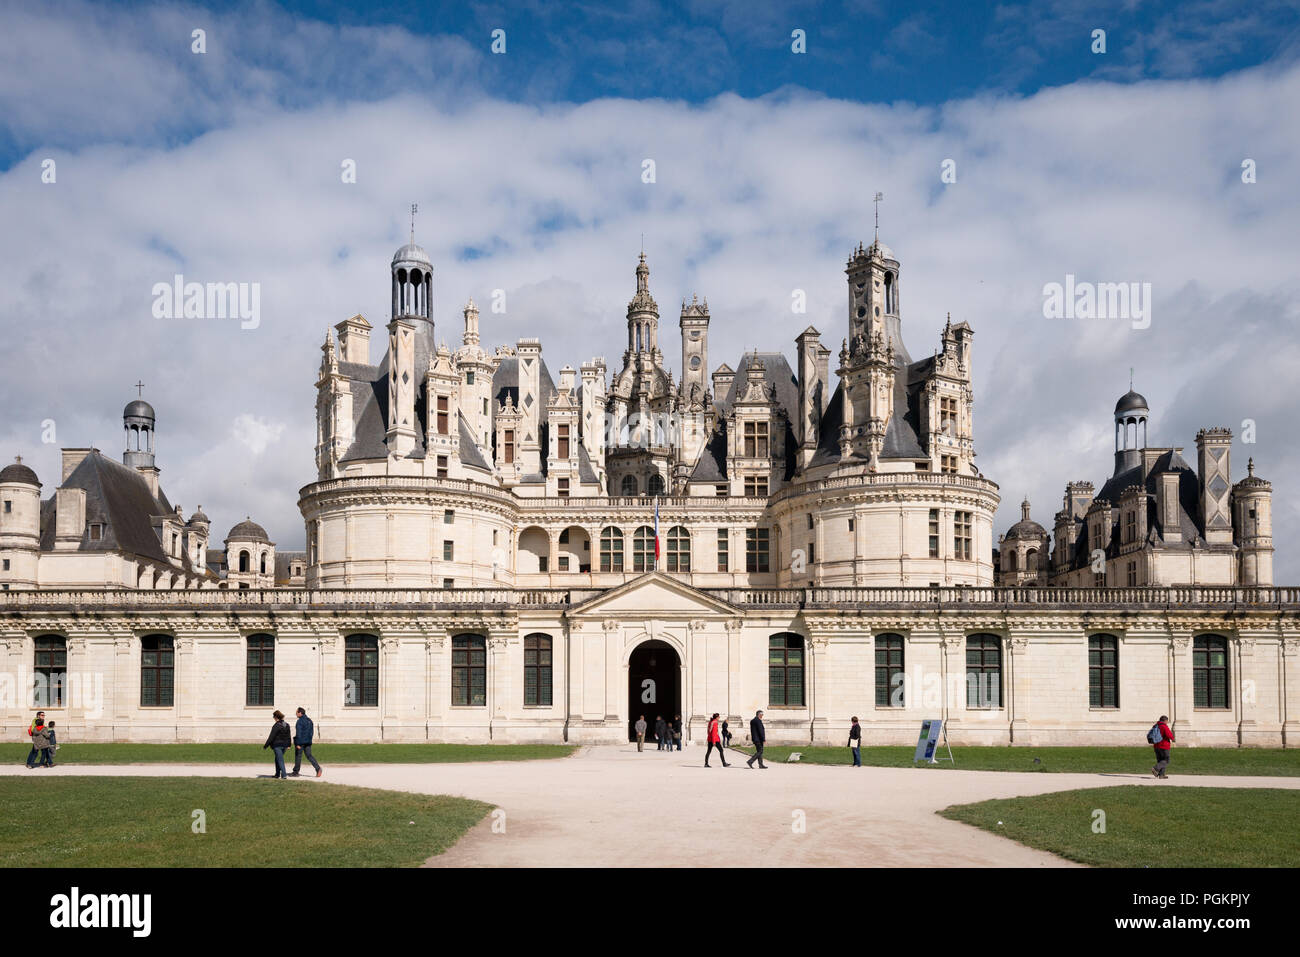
1031 560
983 671
629 485
361 671
537 671
643 549
51 670
656 484
889 293
889 671
1210 672
157 671
1103 671
469 671
243 561
259 680
785 668
263 563
1011 560
611 550
679 549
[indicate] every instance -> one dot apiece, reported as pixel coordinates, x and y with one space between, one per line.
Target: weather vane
879 197
415 208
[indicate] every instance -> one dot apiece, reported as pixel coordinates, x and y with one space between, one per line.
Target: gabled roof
119 498
655 592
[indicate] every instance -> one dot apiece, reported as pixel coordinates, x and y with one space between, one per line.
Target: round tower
138 422
1131 414
20 526
1252 522
250 556
412 283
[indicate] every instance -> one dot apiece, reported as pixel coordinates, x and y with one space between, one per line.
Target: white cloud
754 198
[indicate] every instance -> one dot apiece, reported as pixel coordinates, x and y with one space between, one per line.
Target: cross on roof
879 197
139 387
415 208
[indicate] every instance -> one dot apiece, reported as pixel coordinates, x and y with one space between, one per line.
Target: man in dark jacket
677 732
278 741
758 735
661 733
302 734
1162 747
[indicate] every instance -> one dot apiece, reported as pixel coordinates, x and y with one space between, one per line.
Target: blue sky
1123 166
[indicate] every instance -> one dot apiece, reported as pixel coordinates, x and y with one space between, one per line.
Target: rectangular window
785 670
96 532
756 485
961 535
442 466
449 583
9 506
1103 671
724 548
562 442
948 416
756 440
983 671
51 665
850 525
6 564
1130 526
448 550
469 670
469 377
537 671
721 491
812 552
543 563
889 671
1210 672
157 672
1132 574
562 487
448 516
485 407
361 671
509 454
442 415
260 678
757 541
948 464
934 533
810 521
563 562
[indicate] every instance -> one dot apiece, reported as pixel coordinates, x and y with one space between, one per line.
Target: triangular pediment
657 594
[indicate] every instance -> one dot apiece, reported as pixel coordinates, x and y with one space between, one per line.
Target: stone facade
716 644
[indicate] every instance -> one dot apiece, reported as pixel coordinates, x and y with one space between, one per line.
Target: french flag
656 533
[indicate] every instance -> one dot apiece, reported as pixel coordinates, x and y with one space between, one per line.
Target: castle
497 553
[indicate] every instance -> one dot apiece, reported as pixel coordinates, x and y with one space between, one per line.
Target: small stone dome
1131 402
248 531
138 408
198 517
1025 528
411 253
17 472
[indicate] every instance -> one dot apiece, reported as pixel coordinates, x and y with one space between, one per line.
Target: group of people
668 736
44 743
280 740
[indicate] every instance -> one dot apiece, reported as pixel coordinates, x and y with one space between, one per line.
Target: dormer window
96 532
756 440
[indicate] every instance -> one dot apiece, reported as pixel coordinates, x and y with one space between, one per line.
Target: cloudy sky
225 166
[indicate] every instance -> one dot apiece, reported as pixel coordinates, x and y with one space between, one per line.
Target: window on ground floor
157 671
1103 671
50 669
469 670
259 679
1210 672
785 670
537 670
983 671
889 671
361 671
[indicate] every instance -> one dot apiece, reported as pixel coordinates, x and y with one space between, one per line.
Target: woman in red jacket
715 741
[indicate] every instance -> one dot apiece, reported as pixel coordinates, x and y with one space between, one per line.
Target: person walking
726 735
640 727
303 730
1162 736
715 741
278 741
661 733
758 735
855 742
47 756
37 722
677 731
41 742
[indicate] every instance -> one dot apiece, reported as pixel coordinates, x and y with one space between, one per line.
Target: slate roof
711 466
119 498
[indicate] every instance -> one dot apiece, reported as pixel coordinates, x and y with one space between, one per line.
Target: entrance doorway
654 686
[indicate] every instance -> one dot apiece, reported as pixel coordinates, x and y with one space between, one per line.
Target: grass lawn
146 822
1151 826
326 754
1271 762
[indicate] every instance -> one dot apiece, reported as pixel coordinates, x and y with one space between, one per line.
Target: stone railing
970 482
1199 596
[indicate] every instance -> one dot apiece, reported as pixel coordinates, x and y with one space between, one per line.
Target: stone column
1290 691
1018 688
390 684
500 680
437 686
694 709
604 667
1247 690
14 701
126 687
1180 682
185 689
734 628
819 678
953 658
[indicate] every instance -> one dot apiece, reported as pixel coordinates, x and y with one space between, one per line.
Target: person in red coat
715 741
1162 747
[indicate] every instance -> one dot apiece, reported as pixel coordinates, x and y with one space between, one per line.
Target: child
47 754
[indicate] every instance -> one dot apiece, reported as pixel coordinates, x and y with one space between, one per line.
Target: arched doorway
654 685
